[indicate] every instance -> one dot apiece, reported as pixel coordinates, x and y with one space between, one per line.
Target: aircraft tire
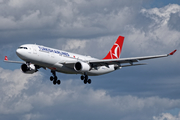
85 81
89 81
82 77
51 78
58 82
54 82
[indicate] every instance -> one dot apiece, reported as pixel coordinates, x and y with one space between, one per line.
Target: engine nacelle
82 67
28 69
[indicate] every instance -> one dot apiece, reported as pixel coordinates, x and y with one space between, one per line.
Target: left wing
10 61
131 61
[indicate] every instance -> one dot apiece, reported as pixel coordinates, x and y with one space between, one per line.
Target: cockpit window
22 48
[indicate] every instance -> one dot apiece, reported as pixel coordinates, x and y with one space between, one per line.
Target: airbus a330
37 56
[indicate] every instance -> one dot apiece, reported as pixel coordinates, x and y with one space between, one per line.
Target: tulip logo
115 51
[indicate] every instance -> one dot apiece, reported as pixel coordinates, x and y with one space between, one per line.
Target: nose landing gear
54 78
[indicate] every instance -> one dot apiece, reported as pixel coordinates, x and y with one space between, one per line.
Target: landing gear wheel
82 77
51 78
85 81
85 78
54 82
89 81
54 78
58 82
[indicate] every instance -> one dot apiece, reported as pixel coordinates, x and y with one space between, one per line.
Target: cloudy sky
150 27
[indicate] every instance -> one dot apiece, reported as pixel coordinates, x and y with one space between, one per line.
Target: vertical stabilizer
115 51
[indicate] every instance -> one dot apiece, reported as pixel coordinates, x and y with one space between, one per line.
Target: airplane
37 56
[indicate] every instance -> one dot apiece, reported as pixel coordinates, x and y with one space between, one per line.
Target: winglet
6 58
172 53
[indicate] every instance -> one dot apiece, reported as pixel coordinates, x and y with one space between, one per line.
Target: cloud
173 22
167 116
154 37
161 16
100 45
65 18
12 85
29 97
74 44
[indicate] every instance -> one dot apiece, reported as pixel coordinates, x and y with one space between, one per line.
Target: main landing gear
85 78
55 81
54 78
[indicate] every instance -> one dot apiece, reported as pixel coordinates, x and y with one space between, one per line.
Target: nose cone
18 52
22 52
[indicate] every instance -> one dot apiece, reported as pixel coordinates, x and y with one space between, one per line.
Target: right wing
123 62
131 61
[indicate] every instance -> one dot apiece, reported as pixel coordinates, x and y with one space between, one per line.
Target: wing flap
133 65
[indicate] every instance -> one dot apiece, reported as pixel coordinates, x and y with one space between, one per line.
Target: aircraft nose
18 52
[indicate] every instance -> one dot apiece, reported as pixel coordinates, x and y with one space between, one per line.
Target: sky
150 27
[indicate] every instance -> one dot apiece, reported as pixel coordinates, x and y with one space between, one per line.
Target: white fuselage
57 60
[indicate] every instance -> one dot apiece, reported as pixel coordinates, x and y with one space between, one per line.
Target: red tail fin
115 51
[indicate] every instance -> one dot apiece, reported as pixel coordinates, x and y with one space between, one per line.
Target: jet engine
82 67
28 69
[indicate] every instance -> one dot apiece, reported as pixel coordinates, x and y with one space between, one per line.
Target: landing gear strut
85 78
54 78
